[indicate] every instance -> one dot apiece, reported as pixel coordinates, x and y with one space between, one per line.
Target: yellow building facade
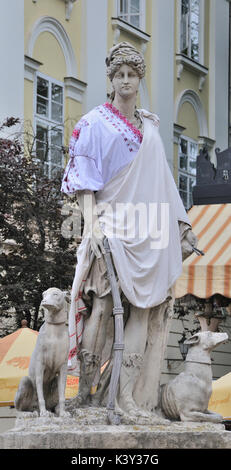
56 63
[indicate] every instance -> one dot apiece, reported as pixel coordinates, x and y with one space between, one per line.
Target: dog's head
54 299
208 340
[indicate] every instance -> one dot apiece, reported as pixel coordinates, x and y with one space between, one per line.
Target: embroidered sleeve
75 141
83 170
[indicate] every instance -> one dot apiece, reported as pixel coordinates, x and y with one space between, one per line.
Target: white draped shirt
103 143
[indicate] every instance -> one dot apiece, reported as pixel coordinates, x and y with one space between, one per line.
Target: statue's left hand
189 241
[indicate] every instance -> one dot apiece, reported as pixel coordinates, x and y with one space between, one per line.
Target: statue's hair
124 53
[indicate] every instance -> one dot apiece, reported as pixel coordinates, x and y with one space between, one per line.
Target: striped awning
204 276
15 353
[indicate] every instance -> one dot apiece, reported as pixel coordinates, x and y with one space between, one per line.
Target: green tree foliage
30 215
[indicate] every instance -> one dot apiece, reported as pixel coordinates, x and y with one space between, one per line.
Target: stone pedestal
88 429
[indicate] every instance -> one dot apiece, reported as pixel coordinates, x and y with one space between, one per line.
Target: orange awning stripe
210 267
191 278
199 216
6 343
204 276
15 352
227 280
210 221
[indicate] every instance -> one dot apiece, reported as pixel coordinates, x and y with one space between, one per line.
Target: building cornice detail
31 66
184 62
177 131
204 141
119 25
68 7
74 88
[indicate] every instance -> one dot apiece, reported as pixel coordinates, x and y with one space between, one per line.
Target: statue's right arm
87 204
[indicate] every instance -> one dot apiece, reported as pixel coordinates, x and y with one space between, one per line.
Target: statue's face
126 81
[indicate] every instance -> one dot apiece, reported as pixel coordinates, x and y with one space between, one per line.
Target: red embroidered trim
76 133
124 119
72 352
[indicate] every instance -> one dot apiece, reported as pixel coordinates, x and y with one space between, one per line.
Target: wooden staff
118 311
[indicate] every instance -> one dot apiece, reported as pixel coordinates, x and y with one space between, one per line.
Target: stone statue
126 192
186 397
43 389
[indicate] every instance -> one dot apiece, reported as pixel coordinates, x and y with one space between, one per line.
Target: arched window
49 122
189 114
49 94
54 27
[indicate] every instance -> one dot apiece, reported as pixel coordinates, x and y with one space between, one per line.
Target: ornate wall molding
177 132
68 7
75 88
183 62
31 66
119 25
53 26
192 97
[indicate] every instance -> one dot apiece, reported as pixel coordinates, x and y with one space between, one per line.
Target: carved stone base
88 429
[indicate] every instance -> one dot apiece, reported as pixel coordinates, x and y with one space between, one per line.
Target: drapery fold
146 248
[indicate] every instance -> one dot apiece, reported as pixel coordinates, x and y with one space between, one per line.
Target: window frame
142 14
186 173
200 59
47 121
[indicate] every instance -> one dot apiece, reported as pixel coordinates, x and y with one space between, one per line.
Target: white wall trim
12 63
31 66
177 132
192 97
144 95
95 33
68 8
219 72
51 25
206 141
74 89
119 25
162 71
184 62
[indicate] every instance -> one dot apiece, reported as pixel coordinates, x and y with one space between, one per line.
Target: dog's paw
64 414
45 414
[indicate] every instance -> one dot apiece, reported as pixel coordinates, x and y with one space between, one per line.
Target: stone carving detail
43 389
69 5
186 397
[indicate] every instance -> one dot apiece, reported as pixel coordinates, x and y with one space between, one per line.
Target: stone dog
44 387
186 397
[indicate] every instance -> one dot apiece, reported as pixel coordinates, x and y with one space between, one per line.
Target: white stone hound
186 397
43 389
